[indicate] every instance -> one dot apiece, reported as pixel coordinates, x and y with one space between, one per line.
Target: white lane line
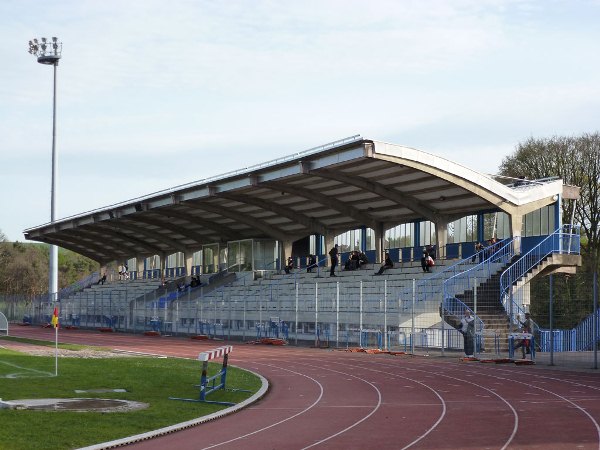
442 401
281 421
26 369
358 421
529 385
515 414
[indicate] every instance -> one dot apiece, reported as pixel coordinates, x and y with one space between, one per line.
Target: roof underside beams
327 192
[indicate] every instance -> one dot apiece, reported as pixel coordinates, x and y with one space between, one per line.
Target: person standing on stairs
333 253
468 331
524 344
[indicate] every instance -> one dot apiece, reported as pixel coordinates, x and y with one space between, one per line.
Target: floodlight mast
49 53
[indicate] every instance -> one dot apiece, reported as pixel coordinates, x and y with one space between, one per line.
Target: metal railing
428 288
579 339
492 262
78 286
564 241
491 259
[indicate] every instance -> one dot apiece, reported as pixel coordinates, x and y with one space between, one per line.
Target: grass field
148 380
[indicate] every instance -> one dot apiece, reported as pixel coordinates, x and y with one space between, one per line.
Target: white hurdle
205 389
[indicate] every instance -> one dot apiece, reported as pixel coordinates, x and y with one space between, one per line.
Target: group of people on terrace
428 258
358 259
123 272
483 252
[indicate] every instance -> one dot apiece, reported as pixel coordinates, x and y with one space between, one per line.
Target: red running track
339 400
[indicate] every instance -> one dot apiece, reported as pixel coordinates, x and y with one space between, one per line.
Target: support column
329 239
441 239
417 234
163 266
287 250
104 271
140 266
557 213
363 239
188 257
480 227
516 223
379 242
318 246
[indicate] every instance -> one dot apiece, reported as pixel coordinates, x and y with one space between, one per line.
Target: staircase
490 310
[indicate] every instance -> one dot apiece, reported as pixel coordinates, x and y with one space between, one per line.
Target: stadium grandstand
228 256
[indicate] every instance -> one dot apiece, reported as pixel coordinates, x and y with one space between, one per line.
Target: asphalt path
332 399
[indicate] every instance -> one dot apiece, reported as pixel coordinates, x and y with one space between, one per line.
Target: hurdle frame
204 386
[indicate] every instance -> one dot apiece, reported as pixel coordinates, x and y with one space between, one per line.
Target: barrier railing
581 338
564 241
429 288
464 281
78 286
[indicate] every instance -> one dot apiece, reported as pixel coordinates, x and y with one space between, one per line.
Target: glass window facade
463 230
350 240
427 233
496 225
175 260
539 222
210 258
400 236
265 254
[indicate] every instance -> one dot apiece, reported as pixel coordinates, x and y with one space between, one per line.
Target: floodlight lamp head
49 58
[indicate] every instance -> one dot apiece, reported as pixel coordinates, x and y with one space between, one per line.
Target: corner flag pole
55 325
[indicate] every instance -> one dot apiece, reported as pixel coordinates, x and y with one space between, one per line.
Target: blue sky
153 94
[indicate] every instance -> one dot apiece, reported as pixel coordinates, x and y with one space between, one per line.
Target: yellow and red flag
54 320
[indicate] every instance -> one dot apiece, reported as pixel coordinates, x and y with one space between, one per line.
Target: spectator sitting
425 261
431 251
289 265
387 264
478 248
102 280
362 259
492 247
312 263
348 264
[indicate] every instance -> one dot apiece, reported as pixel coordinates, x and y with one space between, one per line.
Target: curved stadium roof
327 190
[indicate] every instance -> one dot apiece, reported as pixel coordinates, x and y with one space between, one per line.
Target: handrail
78 286
221 288
565 240
580 338
457 308
455 269
465 281
585 329
462 282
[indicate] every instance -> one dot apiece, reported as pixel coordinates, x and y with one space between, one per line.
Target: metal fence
355 309
565 308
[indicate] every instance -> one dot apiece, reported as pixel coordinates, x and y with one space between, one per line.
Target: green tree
24 268
577 161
